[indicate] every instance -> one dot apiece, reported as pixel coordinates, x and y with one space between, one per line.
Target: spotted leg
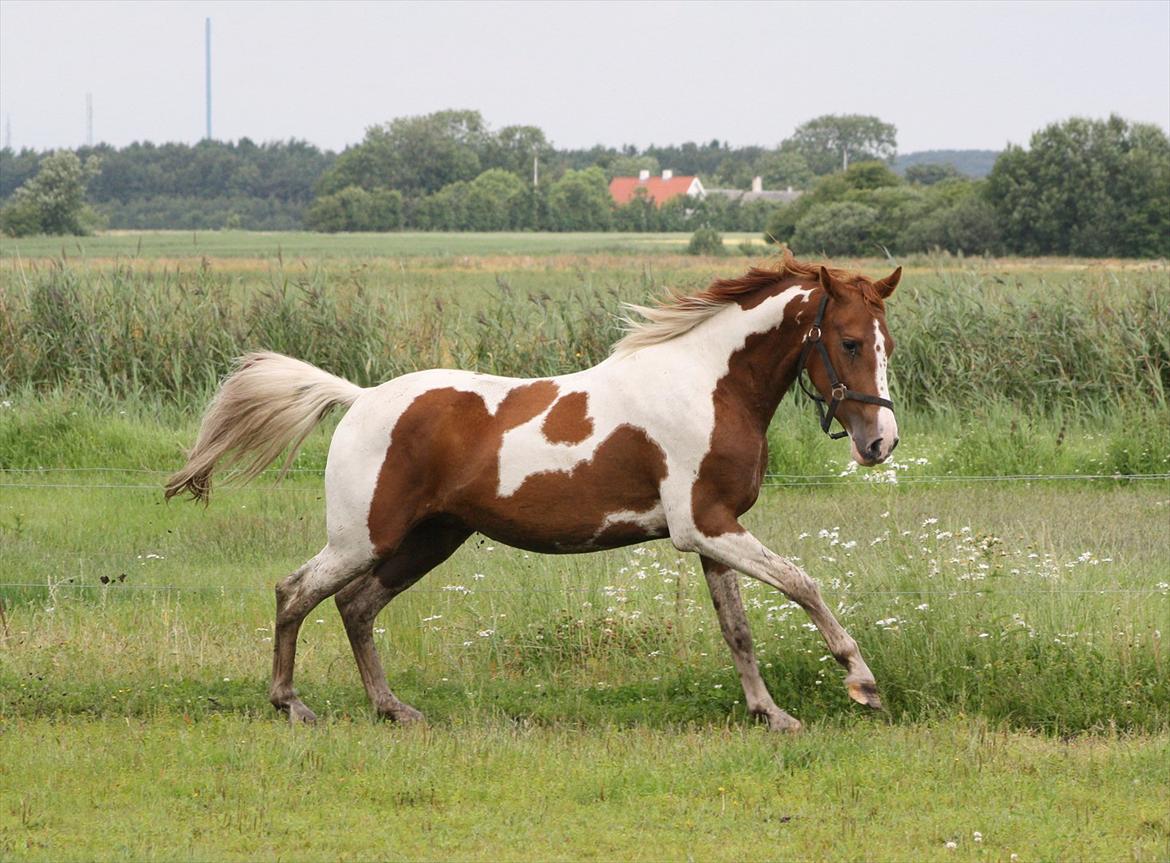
724 587
725 541
296 596
424 548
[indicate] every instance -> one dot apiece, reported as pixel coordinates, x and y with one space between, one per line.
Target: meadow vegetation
584 706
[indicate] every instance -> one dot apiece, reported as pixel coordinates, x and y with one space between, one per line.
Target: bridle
838 390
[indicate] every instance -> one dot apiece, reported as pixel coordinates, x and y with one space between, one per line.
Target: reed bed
1078 343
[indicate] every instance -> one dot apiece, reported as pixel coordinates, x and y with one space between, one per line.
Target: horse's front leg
724 540
724 587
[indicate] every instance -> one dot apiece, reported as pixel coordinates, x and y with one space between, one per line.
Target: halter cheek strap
839 392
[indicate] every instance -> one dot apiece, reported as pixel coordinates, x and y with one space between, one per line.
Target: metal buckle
840 392
809 337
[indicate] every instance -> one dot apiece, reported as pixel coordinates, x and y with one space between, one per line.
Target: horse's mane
676 313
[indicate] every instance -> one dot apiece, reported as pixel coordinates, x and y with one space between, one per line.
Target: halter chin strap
814 338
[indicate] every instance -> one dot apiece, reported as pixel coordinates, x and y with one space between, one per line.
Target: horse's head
846 357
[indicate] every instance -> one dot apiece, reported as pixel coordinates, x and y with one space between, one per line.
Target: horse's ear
886 286
831 287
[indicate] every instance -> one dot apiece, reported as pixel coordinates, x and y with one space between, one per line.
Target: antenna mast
207 57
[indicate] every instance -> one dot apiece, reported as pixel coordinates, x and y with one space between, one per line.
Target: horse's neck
763 370
746 355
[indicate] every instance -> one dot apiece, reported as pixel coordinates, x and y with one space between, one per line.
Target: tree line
1084 187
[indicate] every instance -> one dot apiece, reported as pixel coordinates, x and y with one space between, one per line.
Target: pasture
582 707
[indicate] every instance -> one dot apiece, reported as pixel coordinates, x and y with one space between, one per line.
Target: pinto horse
666 438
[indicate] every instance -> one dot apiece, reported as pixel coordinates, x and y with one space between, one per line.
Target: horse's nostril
894 445
875 448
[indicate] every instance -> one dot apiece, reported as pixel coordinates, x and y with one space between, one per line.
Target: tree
783 168
831 142
496 201
513 149
843 228
53 201
579 201
355 209
1086 187
929 173
415 155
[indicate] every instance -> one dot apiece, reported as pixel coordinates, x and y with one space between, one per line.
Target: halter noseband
839 392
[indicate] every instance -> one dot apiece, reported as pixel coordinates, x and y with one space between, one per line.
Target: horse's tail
267 403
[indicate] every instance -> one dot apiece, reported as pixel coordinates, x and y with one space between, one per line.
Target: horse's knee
686 539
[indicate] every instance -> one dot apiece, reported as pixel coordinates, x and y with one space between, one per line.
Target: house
758 193
658 189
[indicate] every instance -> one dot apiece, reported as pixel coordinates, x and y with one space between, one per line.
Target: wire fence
771 480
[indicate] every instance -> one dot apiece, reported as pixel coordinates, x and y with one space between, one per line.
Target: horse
665 438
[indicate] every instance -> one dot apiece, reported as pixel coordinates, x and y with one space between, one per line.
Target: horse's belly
569 526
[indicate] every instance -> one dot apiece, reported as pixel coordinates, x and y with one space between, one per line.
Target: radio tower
207 55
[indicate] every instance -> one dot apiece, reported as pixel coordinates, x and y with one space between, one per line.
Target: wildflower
977 836
951 844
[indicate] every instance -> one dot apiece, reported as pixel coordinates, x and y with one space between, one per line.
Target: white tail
269 402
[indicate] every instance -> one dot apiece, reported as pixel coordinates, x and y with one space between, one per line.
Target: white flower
952 845
977 836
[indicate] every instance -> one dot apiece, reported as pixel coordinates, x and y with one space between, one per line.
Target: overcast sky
948 75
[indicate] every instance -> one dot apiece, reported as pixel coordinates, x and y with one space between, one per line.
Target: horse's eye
851 346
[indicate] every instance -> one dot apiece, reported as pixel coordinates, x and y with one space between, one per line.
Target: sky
949 75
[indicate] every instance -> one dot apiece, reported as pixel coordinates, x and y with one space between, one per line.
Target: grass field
580 707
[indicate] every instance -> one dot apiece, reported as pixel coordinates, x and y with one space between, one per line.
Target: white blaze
887 424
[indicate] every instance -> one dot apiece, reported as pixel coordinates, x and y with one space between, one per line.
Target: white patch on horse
887 423
652 520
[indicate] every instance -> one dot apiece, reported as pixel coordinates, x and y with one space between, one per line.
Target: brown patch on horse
745 399
568 422
562 511
444 438
444 460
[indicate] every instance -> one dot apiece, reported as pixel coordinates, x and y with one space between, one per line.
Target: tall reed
1082 344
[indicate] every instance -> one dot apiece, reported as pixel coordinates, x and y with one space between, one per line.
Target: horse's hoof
865 693
403 714
783 723
299 714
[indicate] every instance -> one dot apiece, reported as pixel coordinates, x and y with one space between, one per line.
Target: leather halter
839 392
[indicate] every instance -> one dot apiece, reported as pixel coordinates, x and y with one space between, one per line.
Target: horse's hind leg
296 596
721 580
424 548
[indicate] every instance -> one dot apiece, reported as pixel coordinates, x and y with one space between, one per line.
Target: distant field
294 244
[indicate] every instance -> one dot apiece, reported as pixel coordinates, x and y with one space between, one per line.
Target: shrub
706 241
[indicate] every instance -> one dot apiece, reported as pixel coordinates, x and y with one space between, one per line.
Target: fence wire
771 480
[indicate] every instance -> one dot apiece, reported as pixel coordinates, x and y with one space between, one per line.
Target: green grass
580 707
484 788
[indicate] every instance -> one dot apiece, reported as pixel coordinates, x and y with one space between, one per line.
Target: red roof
622 189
